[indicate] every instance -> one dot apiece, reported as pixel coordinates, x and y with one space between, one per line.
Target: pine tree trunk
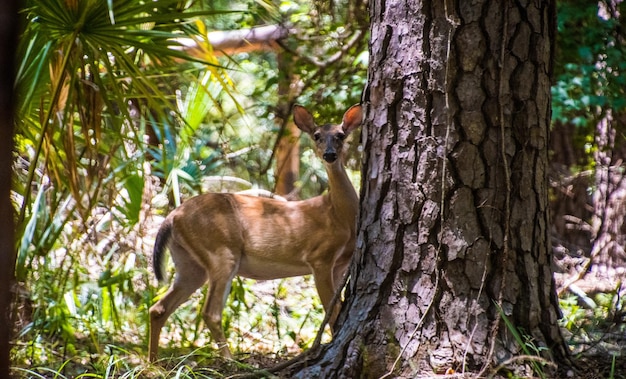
454 229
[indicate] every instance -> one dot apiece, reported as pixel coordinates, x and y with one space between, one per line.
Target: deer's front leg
323 276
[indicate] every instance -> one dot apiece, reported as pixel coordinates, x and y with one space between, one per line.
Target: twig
531 358
322 64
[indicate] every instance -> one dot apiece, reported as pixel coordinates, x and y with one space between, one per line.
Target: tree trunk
288 161
570 205
288 145
608 224
8 46
453 232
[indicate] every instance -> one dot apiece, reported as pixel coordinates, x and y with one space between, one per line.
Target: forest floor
271 322
594 326
594 323
592 298
596 367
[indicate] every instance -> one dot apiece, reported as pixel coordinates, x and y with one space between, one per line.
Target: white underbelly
264 269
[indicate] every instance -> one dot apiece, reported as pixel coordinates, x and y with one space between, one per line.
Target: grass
265 320
532 353
119 362
85 315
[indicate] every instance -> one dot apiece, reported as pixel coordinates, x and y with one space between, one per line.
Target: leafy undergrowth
85 315
270 322
594 324
266 322
120 363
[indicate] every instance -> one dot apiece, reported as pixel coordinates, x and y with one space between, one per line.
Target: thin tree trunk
609 198
8 47
454 231
288 146
570 205
288 161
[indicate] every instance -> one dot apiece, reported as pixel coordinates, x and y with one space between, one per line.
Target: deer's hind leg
224 264
190 276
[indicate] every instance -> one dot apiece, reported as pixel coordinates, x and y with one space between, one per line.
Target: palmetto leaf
89 72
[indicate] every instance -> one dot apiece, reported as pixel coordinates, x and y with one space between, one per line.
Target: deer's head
328 138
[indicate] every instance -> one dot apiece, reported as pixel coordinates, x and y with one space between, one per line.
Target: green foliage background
94 78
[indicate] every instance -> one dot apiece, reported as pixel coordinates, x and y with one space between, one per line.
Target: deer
215 236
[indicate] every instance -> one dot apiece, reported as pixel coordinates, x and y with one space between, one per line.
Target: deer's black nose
330 157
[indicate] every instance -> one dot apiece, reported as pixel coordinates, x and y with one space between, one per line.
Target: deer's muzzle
330 156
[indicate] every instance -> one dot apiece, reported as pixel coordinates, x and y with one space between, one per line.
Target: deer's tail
162 238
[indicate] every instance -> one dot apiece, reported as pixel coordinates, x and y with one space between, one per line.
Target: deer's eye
340 136
317 136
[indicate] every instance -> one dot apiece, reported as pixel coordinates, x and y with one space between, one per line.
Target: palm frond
82 64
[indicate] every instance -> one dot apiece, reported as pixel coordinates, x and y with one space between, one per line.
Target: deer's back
270 238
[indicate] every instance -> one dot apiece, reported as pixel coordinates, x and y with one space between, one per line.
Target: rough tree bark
454 228
8 46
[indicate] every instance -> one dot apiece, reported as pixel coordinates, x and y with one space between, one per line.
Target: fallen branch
260 38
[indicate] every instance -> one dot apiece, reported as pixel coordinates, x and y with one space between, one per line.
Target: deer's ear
352 118
303 119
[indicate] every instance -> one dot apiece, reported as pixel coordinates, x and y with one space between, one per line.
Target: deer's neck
343 197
